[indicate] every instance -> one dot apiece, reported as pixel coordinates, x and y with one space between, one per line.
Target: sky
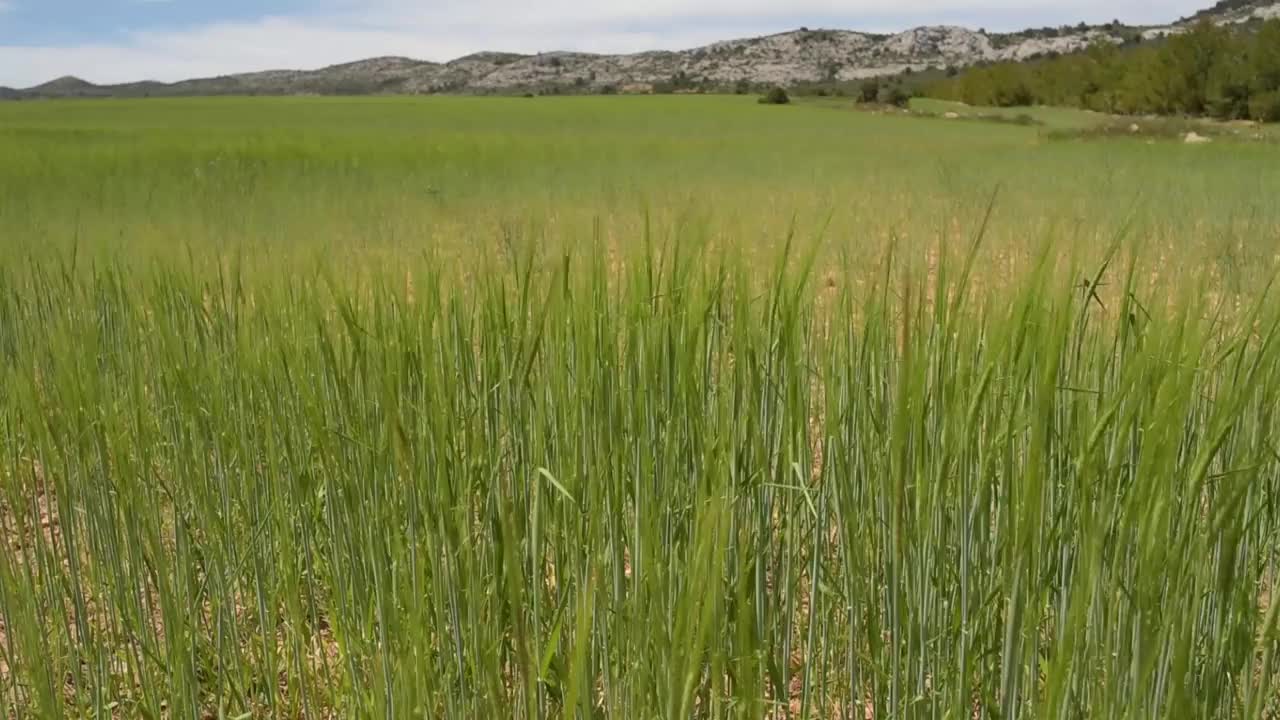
106 41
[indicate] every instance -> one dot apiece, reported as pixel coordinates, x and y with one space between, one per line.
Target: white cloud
566 14
350 30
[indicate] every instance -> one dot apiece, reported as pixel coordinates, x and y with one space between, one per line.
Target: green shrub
869 90
775 96
895 95
1265 107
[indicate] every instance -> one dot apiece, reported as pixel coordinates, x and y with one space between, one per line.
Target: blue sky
121 40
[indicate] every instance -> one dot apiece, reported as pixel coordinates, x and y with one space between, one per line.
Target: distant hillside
1238 11
68 87
800 56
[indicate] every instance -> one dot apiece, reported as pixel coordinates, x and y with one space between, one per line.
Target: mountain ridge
785 58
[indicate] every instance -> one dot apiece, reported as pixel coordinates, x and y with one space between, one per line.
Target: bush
775 96
896 96
869 91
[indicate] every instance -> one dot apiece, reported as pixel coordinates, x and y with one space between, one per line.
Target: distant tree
1265 107
775 96
742 87
1010 86
1230 87
1192 59
1145 85
1266 56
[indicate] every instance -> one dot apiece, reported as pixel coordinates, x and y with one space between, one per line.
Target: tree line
1208 70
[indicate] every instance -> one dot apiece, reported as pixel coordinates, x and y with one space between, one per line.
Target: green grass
442 173
630 408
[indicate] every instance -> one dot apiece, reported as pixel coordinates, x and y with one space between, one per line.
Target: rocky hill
1237 11
787 58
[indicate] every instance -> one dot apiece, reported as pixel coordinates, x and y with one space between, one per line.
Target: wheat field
669 407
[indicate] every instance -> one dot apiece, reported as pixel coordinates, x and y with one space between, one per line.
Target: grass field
631 407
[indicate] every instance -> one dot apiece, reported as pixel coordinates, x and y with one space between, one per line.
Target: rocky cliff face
787 58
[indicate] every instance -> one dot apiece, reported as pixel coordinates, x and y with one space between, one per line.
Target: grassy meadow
631 407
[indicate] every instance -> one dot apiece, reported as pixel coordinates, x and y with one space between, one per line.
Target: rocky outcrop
787 58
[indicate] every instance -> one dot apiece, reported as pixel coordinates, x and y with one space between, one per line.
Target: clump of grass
1021 119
